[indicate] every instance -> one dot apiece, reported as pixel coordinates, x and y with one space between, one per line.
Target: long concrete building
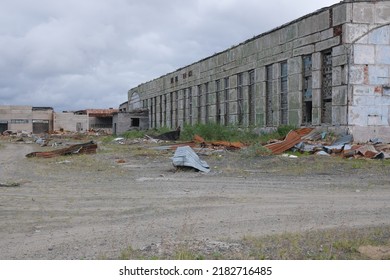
329 68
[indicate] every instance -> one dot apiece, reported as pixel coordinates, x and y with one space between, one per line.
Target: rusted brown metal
85 148
292 138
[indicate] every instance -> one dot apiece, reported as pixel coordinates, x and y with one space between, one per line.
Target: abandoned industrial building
329 68
39 120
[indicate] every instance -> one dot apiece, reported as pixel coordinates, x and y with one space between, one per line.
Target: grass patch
332 244
232 133
340 244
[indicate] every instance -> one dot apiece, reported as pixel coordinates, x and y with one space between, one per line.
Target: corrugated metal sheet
185 156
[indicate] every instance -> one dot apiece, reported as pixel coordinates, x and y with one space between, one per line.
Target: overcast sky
79 54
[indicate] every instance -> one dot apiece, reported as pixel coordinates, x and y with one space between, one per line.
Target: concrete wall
191 94
125 121
21 118
369 111
69 121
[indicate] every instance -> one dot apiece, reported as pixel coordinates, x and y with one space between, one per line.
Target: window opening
268 95
283 93
251 98
326 104
307 107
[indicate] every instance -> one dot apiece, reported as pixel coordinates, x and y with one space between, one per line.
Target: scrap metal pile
316 142
84 148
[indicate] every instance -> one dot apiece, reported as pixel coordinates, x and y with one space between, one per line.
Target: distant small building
134 119
26 118
83 120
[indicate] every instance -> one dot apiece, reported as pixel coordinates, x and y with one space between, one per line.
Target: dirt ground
96 206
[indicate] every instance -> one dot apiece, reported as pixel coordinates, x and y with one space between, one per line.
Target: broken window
3 126
184 105
218 100
226 95
199 103
190 105
161 110
326 104
176 108
268 95
240 108
155 111
251 98
307 91
135 122
151 113
283 93
165 110
171 110
206 87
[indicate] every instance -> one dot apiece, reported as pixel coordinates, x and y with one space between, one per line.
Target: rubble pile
322 143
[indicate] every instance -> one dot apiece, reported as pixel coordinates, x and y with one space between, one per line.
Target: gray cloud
86 54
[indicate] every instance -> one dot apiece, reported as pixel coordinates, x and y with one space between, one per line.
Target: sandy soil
91 206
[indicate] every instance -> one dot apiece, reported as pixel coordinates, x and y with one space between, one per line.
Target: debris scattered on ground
10 184
169 136
85 148
291 139
186 157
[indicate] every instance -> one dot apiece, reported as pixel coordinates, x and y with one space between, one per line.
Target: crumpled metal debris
84 148
292 138
186 157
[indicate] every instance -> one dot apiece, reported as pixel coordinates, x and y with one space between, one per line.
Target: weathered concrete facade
330 68
135 120
26 118
69 121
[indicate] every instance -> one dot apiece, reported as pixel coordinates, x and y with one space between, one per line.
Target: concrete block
339 115
382 12
380 36
353 32
340 14
326 34
306 40
316 116
294 117
363 13
294 100
337 76
316 79
316 61
317 98
357 75
365 54
378 75
339 50
382 54
288 33
340 96
339 60
327 44
303 50
294 65
295 82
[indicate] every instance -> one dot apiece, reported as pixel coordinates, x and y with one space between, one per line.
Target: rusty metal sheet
85 148
292 138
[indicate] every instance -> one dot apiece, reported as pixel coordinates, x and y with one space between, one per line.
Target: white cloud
87 54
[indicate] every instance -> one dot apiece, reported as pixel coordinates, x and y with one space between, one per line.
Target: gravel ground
96 206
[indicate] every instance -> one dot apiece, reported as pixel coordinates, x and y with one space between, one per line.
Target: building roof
98 112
